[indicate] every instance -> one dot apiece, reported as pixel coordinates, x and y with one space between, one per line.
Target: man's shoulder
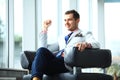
82 33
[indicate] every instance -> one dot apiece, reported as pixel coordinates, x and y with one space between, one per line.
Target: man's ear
78 20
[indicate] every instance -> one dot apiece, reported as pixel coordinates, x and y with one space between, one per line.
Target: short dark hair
76 15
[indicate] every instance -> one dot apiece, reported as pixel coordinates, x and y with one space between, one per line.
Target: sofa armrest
89 58
27 58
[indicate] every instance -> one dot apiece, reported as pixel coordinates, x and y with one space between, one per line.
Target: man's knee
42 51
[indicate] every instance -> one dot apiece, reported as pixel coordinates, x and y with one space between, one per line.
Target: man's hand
83 45
46 24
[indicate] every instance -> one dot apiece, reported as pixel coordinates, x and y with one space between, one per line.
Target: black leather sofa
75 61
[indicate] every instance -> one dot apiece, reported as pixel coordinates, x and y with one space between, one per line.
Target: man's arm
90 39
43 37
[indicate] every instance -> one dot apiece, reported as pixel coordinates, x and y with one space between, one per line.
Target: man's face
70 23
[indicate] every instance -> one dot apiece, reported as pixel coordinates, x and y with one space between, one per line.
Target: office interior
21 22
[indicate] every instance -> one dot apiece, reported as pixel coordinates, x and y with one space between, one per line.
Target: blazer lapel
73 35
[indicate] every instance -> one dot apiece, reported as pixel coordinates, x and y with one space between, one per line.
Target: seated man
45 61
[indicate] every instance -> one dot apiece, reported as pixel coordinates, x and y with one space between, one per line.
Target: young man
45 61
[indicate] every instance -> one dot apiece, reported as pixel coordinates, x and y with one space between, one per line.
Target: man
45 61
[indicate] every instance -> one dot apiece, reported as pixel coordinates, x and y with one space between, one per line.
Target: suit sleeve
90 39
43 42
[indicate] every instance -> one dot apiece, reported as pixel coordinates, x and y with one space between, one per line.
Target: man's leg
46 63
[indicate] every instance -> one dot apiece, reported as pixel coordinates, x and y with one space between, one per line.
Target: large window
112 24
10 33
112 39
3 35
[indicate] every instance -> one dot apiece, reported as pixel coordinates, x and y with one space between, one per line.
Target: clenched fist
46 24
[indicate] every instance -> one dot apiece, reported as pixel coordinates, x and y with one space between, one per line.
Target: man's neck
75 29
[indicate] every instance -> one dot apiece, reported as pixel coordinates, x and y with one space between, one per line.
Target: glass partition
3 35
9 58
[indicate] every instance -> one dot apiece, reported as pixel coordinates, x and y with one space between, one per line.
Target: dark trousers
47 63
